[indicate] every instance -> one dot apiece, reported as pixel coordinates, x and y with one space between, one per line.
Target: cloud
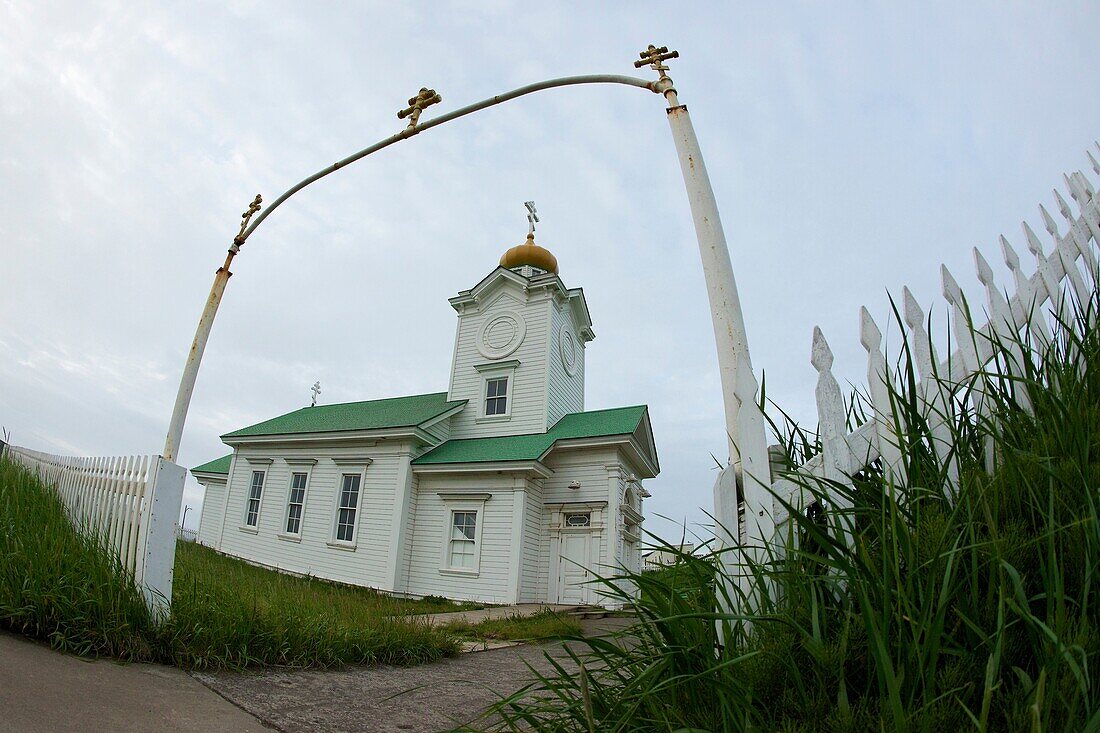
852 151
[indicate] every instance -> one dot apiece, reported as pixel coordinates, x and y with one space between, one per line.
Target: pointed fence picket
1067 275
127 503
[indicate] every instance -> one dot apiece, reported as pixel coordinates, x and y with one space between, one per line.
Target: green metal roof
218 465
531 447
395 412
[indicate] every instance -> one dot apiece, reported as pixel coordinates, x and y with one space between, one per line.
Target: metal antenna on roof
316 390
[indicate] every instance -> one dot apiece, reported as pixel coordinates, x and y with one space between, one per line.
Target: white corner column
518 538
402 505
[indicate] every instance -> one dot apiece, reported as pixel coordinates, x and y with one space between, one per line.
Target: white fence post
157 545
936 406
1056 279
888 433
836 458
128 504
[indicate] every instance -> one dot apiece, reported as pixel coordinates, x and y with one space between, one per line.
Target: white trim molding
511 320
503 370
352 461
455 502
298 466
536 467
357 521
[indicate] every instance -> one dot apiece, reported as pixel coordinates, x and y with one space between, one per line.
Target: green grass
968 608
226 612
198 565
63 588
546 624
59 586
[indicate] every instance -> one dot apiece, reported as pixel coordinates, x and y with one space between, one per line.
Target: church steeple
519 350
529 253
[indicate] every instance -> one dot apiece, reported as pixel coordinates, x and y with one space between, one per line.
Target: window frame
334 532
356 508
456 504
489 373
263 473
296 466
460 540
506 395
259 499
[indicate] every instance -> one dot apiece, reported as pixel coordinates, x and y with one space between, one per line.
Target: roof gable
619 421
218 465
394 412
502 278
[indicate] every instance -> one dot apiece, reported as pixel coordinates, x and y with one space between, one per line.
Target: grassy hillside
953 608
63 588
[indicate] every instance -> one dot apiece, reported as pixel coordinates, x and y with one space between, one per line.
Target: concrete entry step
587 612
494 612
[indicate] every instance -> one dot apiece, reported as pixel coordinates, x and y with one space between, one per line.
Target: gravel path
382 699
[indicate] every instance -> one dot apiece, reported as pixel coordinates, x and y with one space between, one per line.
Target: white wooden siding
404 563
311 553
536 547
441 430
565 393
588 466
527 394
213 507
431 531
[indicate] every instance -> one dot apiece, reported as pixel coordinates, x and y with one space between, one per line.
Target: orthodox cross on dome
532 217
316 390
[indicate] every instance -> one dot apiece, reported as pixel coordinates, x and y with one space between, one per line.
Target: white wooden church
501 489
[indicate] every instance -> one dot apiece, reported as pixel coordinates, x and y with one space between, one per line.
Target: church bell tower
519 347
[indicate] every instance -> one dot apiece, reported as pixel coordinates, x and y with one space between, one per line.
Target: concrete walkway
381 699
44 691
522 610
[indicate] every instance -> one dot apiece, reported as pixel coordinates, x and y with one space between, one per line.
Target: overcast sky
852 148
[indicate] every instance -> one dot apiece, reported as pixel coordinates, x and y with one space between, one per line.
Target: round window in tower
500 335
567 349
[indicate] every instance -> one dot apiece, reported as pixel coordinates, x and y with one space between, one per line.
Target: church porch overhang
627 443
320 439
532 468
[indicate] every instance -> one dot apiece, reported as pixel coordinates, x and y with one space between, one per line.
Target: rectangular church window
348 505
295 502
496 396
255 492
463 539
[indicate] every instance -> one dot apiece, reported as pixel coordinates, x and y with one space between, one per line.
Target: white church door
573 573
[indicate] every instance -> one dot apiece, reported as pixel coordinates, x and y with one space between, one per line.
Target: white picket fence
130 503
1069 271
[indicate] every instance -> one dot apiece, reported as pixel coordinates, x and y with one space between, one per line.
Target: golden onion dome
531 254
